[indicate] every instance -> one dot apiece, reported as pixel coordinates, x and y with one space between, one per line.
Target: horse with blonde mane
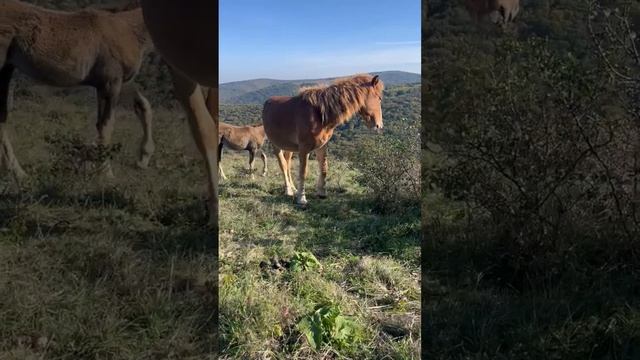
186 37
90 47
305 123
239 138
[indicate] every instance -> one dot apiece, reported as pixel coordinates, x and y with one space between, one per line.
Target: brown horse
248 137
499 12
102 49
305 123
187 38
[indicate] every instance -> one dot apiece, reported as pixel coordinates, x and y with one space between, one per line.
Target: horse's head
371 111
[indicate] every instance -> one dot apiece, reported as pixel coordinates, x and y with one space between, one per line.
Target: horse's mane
342 98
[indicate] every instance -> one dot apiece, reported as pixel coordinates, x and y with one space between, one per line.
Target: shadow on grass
493 297
177 240
348 222
57 194
178 226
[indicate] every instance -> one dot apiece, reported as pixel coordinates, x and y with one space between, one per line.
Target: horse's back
62 48
277 107
56 48
14 13
13 10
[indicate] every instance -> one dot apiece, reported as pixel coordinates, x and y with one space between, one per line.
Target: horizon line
323 78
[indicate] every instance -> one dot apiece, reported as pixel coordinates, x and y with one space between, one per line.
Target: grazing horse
102 49
305 123
499 12
187 38
249 137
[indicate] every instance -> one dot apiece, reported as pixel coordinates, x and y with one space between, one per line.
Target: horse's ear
375 80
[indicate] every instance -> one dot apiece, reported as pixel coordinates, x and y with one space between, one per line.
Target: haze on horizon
291 40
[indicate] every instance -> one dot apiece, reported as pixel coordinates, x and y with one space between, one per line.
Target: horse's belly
284 141
49 69
237 146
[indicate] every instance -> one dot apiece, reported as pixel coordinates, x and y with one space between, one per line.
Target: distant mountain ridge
256 91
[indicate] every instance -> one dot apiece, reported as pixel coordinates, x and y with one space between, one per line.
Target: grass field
94 269
369 268
123 268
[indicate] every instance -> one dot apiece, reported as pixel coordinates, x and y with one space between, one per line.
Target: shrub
389 167
533 139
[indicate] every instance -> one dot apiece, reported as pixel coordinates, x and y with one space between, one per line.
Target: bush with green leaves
530 139
389 166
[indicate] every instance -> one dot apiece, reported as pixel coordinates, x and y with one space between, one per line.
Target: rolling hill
256 91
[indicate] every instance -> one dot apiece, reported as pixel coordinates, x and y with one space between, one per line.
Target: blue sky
301 39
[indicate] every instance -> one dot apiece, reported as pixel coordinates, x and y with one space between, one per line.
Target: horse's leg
321 156
108 96
203 122
220 146
6 150
252 160
303 157
282 162
288 155
264 161
144 113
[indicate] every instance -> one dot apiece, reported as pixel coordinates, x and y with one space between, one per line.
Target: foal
102 49
305 123
249 137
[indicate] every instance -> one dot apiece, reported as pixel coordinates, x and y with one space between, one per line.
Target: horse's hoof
142 164
301 200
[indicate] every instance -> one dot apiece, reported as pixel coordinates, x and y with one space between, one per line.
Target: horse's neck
337 120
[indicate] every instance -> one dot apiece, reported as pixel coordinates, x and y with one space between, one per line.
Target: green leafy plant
303 261
327 325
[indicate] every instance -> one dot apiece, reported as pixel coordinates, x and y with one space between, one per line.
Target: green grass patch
337 280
